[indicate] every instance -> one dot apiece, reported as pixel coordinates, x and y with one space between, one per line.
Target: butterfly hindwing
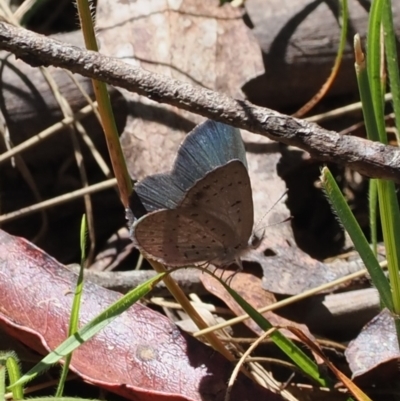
212 223
179 237
226 193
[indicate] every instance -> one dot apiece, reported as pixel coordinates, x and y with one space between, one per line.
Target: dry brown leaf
375 354
202 43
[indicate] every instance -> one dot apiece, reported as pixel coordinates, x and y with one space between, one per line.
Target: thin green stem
76 303
105 110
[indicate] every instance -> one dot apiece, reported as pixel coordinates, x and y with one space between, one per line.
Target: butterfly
202 211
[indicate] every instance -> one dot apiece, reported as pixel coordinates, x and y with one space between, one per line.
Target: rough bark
369 158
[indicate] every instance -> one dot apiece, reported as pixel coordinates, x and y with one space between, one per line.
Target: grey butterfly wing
213 222
159 191
208 146
226 194
179 237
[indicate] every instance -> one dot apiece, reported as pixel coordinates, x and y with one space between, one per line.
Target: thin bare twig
370 158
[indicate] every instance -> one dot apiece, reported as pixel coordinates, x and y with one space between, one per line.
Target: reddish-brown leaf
249 288
141 355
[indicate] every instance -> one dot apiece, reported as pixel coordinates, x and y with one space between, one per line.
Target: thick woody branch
370 158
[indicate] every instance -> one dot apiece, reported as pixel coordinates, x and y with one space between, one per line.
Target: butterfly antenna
256 228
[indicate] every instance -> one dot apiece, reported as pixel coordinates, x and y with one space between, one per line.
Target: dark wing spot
198 195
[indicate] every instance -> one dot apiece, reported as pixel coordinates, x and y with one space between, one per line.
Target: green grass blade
388 205
372 132
392 60
307 366
365 92
9 360
76 304
390 218
350 224
91 328
2 382
374 67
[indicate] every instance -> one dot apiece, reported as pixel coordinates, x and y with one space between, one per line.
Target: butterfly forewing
208 146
